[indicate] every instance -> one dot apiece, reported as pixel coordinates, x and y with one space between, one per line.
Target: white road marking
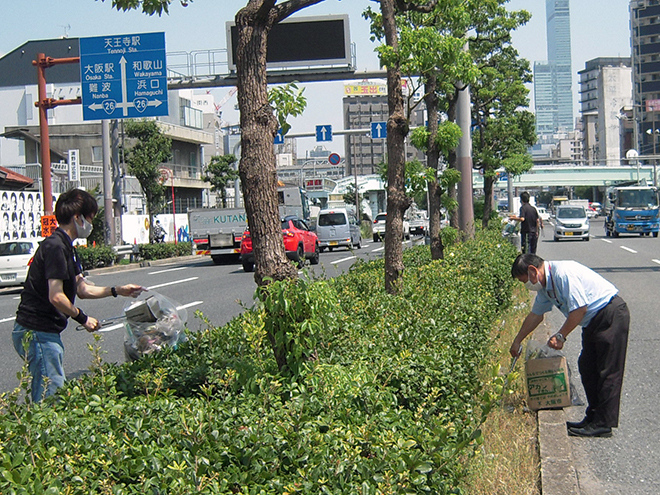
628 249
8 319
656 261
190 305
172 283
378 249
168 270
606 240
342 260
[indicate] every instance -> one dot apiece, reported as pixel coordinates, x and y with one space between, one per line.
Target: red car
299 242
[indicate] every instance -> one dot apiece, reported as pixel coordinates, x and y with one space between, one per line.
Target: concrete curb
558 473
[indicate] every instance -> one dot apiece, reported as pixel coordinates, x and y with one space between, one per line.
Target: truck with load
631 210
218 231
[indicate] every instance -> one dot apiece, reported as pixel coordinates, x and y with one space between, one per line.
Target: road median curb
558 473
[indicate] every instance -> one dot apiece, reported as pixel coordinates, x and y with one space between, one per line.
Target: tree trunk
433 161
397 129
257 168
488 200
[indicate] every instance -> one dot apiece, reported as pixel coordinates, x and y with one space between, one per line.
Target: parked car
378 228
15 260
571 222
299 242
338 227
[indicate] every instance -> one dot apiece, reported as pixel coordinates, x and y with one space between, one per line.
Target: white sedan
15 259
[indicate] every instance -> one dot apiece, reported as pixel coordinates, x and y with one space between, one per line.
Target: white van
338 227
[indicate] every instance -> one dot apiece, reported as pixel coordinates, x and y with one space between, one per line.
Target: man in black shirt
47 301
529 225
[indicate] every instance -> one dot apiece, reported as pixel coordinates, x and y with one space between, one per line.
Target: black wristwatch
113 291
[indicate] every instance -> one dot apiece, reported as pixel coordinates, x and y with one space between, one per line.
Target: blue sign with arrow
279 137
323 133
123 76
378 130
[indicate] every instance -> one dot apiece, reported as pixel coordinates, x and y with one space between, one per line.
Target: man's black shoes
580 424
590 430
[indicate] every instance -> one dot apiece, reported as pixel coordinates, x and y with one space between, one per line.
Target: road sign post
123 76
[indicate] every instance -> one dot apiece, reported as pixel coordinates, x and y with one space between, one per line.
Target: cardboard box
547 383
144 311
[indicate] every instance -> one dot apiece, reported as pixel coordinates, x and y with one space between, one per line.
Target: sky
599 28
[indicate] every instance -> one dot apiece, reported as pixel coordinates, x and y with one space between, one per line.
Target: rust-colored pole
42 63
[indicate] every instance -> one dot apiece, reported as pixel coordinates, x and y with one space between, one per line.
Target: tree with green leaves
504 129
259 124
221 172
144 158
384 26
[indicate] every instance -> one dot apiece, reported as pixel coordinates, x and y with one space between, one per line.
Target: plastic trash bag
153 322
536 350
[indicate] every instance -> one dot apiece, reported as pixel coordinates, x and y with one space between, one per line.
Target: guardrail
131 249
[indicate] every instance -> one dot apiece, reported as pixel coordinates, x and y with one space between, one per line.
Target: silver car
571 222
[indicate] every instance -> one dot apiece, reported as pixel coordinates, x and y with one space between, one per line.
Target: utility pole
464 158
107 182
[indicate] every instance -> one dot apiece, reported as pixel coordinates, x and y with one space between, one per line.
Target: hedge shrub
96 257
386 395
164 250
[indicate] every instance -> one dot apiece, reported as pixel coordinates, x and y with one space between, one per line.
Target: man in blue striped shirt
586 299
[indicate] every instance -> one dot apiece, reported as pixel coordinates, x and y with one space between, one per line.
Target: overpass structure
573 175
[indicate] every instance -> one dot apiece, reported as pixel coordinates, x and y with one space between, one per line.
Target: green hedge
96 256
99 256
386 396
164 250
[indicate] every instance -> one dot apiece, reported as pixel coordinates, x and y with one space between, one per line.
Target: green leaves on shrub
378 393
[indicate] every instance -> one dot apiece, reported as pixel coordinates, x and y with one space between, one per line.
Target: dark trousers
602 361
528 242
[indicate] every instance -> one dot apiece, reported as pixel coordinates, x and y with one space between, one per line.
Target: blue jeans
44 358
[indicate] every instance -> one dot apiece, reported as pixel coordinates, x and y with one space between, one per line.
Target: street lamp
654 135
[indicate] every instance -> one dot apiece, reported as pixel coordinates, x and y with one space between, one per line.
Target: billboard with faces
20 214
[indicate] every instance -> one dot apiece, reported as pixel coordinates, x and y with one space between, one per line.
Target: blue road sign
279 137
378 130
323 133
123 76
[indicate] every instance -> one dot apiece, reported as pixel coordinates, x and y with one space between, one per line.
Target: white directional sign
123 76
378 130
323 133
74 165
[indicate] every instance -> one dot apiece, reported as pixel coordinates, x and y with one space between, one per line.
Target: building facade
605 89
645 41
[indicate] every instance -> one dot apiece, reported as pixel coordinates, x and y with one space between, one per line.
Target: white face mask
85 229
535 287
531 286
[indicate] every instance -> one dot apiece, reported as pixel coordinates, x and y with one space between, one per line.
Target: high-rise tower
553 95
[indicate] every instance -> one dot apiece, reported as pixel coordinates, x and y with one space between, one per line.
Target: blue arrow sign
323 133
279 137
378 130
123 76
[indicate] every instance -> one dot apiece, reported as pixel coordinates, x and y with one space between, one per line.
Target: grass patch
508 462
